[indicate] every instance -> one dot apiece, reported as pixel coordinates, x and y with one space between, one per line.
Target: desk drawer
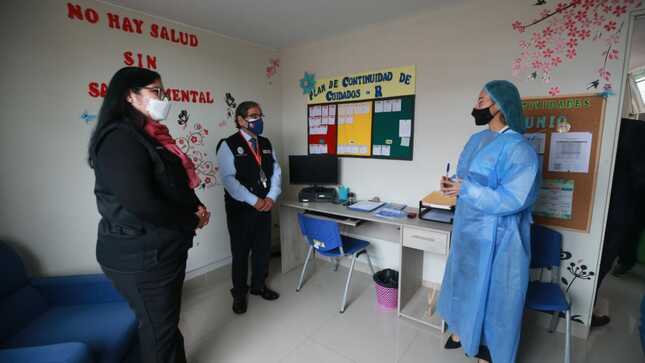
426 240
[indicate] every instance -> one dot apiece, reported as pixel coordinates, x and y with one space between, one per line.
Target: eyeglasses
157 91
255 116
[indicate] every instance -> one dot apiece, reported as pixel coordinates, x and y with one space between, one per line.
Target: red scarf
160 133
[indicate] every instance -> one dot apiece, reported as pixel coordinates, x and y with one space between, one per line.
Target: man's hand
268 205
260 204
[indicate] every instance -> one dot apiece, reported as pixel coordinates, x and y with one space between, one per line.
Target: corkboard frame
590 120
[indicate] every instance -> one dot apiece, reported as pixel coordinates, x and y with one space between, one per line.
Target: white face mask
158 109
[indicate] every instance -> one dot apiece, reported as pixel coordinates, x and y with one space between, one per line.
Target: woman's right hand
444 184
204 216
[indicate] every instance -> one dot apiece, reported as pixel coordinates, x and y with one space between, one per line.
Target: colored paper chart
393 128
322 129
354 129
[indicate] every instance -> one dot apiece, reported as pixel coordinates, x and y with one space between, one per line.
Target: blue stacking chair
547 296
323 236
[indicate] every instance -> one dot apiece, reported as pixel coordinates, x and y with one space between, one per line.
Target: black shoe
599 320
620 269
266 293
451 344
484 354
239 304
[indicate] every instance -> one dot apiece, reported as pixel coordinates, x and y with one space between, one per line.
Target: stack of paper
439 200
390 213
365 206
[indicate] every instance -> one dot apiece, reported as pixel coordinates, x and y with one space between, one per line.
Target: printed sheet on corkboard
566 133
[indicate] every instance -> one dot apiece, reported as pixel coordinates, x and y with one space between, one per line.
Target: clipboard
365 206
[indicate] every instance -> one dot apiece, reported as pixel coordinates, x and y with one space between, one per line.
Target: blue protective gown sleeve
512 195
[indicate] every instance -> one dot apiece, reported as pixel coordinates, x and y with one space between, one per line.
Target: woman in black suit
145 194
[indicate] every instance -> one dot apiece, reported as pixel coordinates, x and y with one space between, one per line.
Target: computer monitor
313 169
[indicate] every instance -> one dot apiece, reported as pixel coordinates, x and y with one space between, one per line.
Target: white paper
376 150
405 141
349 120
387 106
332 110
363 150
319 130
405 128
325 111
323 148
311 111
538 140
570 152
385 150
396 105
331 120
555 199
378 106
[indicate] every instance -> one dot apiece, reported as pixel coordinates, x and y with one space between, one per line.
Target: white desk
414 236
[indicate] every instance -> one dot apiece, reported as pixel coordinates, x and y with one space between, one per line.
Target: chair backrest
12 271
546 246
322 234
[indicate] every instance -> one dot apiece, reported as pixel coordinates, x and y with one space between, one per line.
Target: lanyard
256 154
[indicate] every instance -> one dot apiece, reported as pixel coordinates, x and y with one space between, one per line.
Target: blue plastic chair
323 236
547 296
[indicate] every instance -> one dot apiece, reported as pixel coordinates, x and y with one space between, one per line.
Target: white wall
456 49
47 203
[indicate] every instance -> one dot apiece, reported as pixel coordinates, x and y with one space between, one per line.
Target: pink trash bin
387 288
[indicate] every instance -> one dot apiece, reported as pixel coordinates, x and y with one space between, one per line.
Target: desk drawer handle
429 239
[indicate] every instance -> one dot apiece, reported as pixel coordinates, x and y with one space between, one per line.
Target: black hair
115 107
243 108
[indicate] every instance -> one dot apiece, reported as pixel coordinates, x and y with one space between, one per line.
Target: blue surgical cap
507 98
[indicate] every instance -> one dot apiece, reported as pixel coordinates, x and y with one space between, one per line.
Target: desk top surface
340 210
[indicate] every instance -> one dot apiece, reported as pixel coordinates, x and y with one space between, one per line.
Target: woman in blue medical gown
486 277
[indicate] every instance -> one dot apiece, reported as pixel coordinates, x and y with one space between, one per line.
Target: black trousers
155 297
629 247
250 232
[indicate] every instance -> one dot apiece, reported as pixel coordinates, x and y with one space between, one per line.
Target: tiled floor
306 327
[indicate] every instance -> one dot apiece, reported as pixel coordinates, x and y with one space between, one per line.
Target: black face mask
482 116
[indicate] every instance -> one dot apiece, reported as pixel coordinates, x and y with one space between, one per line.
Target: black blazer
142 193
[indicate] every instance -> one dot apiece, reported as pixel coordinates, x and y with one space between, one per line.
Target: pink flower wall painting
557 33
272 68
192 143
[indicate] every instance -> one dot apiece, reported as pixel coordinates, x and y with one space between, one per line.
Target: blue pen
447 169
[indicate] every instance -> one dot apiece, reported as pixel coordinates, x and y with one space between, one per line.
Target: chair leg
336 264
304 268
369 262
555 320
567 343
349 278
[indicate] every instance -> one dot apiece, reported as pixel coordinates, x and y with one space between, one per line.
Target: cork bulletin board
566 132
